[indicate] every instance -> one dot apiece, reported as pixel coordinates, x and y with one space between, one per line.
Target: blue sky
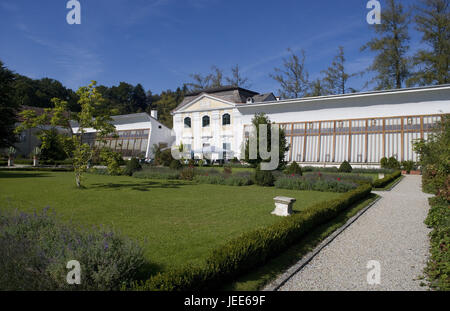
158 43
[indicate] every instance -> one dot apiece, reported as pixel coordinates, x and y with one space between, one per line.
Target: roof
128 119
232 94
220 89
348 95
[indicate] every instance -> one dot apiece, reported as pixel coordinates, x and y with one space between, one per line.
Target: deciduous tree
292 77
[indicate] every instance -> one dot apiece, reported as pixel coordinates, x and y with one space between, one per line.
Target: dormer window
187 122
226 119
205 121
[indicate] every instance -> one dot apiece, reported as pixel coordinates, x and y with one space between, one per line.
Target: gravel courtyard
391 232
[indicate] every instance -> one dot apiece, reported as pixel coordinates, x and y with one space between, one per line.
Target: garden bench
283 206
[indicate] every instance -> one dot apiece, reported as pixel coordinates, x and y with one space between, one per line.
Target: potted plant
36 154
11 153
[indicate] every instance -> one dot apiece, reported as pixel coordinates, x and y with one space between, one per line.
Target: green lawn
177 222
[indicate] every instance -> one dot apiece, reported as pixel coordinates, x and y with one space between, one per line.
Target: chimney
154 114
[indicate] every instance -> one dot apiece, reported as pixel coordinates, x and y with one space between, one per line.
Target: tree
138 99
336 77
92 115
293 78
8 108
392 64
261 118
316 89
237 79
200 82
216 77
433 21
434 159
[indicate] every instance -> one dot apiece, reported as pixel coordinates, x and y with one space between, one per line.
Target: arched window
205 121
187 122
226 119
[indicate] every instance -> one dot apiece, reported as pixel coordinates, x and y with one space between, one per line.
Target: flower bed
322 182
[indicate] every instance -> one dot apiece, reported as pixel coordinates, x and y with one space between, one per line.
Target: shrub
393 163
162 157
345 167
157 173
316 184
251 249
384 162
227 180
133 165
187 173
263 178
35 249
408 166
176 165
438 268
112 160
227 170
294 168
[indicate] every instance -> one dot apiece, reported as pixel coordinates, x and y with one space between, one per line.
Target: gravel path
391 232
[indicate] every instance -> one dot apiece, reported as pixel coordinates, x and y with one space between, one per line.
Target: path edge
286 276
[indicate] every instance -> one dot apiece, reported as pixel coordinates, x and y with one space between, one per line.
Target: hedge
383 182
40 169
438 266
251 249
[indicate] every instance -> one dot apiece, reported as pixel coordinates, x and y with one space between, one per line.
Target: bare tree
293 77
237 79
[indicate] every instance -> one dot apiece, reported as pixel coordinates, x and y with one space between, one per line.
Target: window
410 121
226 119
205 121
374 122
187 122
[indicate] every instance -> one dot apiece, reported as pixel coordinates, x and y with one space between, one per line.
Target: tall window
205 121
226 119
187 122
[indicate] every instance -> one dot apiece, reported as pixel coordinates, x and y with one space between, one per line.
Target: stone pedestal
10 162
283 206
35 162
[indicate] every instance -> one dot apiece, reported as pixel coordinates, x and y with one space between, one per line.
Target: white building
137 133
359 127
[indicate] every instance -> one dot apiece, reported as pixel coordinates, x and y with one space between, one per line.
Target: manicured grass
177 222
256 280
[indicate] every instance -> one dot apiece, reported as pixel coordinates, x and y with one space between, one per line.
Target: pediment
206 102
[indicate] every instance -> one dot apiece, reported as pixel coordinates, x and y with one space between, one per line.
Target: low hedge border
251 249
383 182
39 169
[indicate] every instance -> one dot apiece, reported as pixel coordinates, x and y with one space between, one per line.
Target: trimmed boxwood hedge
251 249
383 182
